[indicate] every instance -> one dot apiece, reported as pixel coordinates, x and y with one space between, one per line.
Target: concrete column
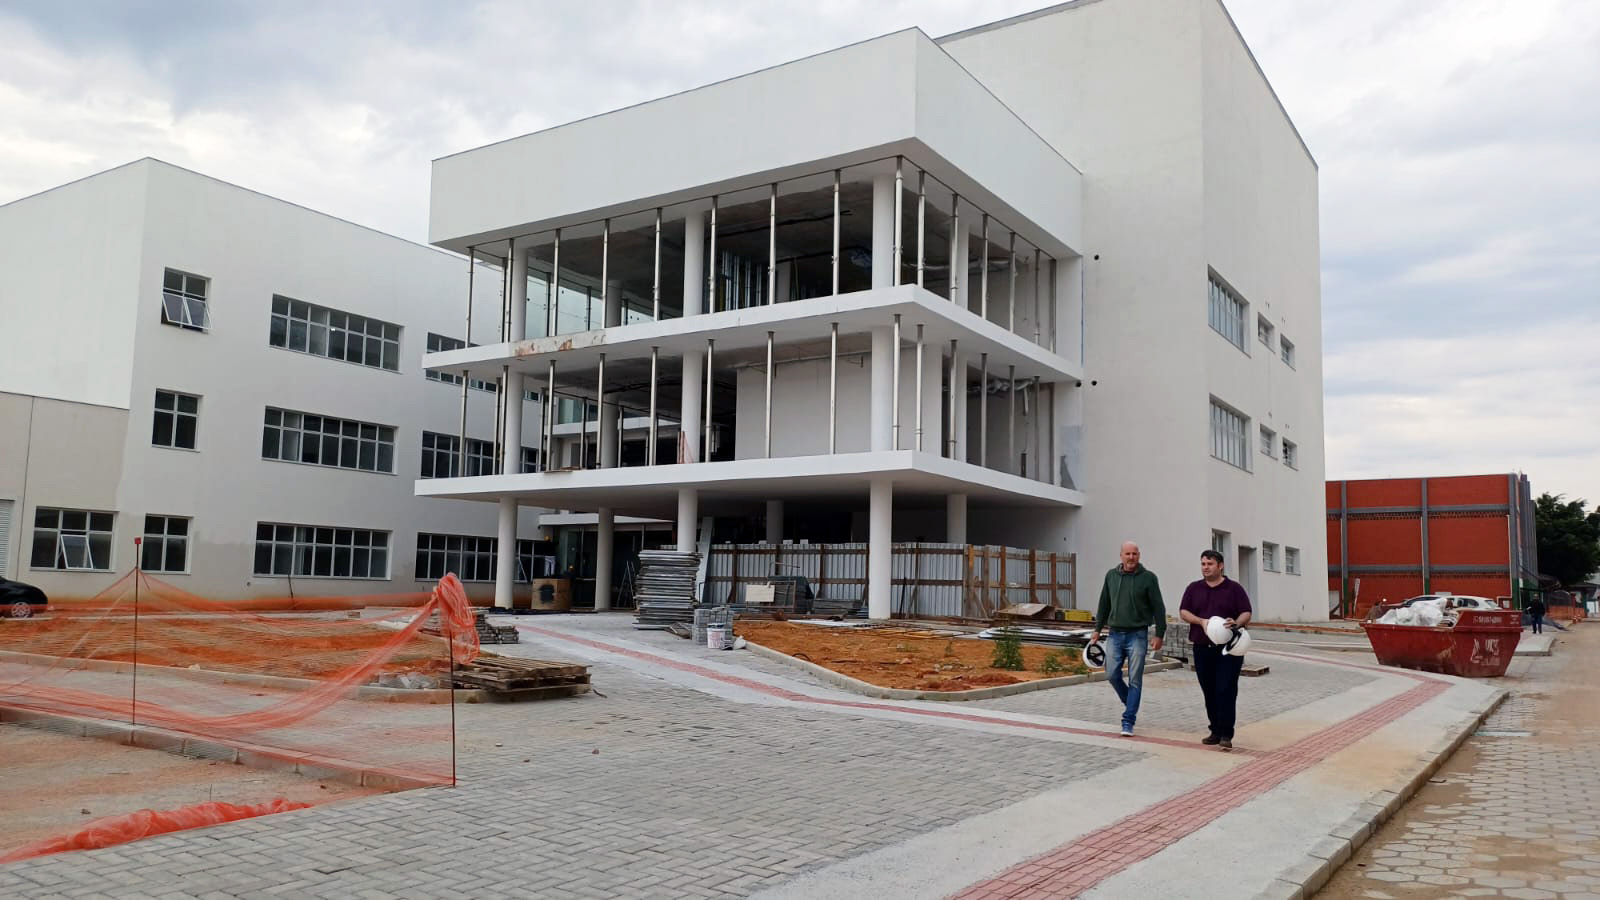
691 411
880 549
511 458
610 436
613 308
605 538
774 521
688 512
958 269
882 231
959 385
882 415
519 295
955 519
505 562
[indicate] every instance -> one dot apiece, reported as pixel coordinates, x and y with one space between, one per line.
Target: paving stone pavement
661 788
1516 813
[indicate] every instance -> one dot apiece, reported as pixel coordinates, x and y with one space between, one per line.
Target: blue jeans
1133 645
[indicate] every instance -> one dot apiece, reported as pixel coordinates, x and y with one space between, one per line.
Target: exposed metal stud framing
1011 302
922 225
655 282
983 290
705 441
833 376
1038 311
983 410
1038 433
768 436
711 261
899 184
917 419
552 294
655 354
958 390
836 174
1011 427
772 247
958 268
605 279
894 397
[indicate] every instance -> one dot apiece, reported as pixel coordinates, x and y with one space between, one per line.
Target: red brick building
1392 538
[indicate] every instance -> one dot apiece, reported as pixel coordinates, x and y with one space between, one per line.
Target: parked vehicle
19 601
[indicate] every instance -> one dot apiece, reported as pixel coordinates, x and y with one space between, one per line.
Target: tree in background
1569 538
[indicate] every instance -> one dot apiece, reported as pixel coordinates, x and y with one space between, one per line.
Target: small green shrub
1008 650
1054 663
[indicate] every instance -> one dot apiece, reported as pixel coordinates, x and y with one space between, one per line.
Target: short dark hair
1211 554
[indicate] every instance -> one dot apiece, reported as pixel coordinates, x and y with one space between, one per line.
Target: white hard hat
1238 644
1217 630
1094 656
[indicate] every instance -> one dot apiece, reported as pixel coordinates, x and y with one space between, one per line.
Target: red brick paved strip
785 694
1075 867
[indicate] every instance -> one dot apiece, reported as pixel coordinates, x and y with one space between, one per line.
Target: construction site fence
927 579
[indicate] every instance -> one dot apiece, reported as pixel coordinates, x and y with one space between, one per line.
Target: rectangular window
438 343
322 331
1291 560
1219 542
326 441
530 459
1269 443
480 457
1227 314
470 558
1264 331
439 453
1286 348
1269 556
1291 454
75 540
176 419
183 301
166 545
1228 441
321 552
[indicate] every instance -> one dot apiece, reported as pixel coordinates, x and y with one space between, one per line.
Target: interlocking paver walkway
705 774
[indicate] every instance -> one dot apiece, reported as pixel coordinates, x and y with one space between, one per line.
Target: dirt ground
909 658
295 647
55 784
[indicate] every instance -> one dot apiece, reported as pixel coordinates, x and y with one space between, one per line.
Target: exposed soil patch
906 658
295 647
54 784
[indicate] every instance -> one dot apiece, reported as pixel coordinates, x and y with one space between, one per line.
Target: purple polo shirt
1227 600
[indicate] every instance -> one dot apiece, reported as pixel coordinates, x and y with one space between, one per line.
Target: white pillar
958 268
882 413
505 562
774 521
880 550
690 412
955 519
609 435
613 307
688 512
882 231
512 454
519 294
605 538
962 401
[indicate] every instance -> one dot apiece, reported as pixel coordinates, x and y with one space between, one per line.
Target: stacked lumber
487 633
509 678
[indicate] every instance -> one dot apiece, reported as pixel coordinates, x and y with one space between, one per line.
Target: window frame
440 343
1265 331
86 533
1286 351
1222 442
310 546
1227 312
436 557
166 539
179 304
1269 556
1269 443
275 428
176 415
321 328
1291 561
1291 454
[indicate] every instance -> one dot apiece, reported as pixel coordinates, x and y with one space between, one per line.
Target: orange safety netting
288 680
113 830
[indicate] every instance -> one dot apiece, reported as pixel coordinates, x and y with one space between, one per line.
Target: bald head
1130 556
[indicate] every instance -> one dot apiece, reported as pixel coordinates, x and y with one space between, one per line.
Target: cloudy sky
1459 143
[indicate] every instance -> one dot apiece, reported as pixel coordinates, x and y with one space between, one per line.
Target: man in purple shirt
1215 594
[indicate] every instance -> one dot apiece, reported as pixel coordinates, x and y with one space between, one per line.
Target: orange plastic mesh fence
311 687
113 830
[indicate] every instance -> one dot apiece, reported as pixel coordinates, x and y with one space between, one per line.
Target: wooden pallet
505 675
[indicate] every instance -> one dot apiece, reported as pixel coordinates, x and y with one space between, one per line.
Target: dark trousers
1219 681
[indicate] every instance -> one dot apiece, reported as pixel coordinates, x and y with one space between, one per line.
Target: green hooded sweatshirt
1131 600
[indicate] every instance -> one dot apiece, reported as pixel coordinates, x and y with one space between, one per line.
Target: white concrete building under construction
1051 283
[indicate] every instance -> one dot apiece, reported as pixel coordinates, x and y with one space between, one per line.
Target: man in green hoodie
1130 605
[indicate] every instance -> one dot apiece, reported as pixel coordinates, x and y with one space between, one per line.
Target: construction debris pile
665 590
487 633
1433 612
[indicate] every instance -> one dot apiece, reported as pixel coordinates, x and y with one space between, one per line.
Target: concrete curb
857 686
1326 856
255 756
211 676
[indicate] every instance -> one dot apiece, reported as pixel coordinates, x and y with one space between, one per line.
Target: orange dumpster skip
1479 646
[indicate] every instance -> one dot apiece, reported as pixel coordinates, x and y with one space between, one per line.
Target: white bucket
715 638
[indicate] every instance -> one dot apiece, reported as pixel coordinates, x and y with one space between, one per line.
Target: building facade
235 381
1394 538
1049 283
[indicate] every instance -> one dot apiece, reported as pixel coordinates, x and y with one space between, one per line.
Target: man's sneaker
1127 731
1210 740
1225 744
